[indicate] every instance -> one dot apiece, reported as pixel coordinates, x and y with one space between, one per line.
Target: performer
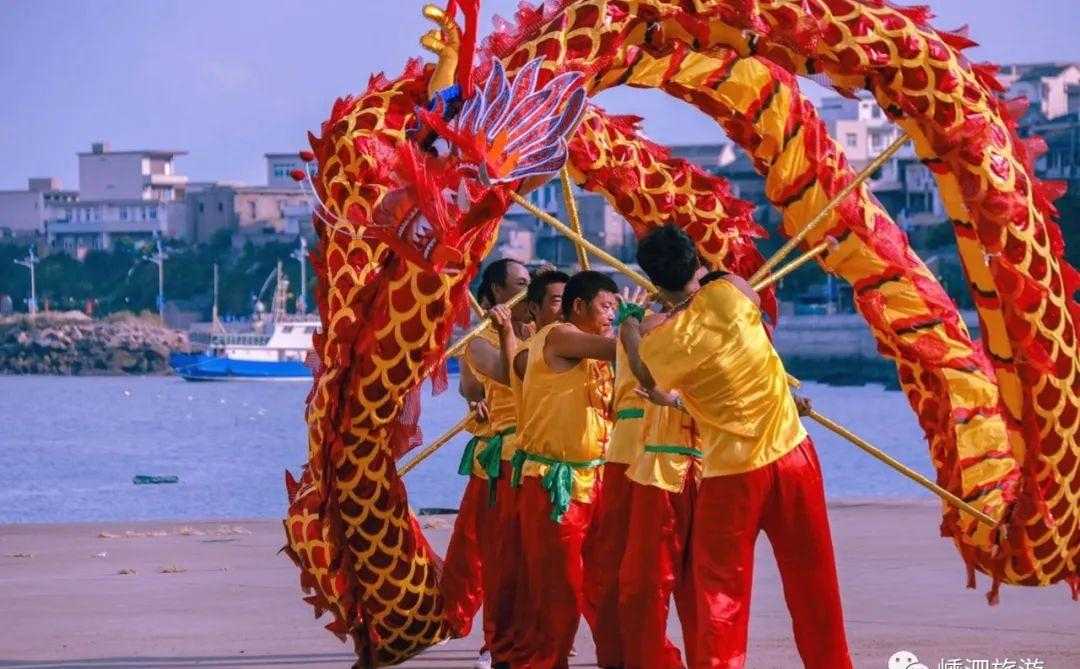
759 467
476 557
566 399
606 539
663 480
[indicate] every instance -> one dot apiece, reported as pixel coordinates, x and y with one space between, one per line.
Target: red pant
505 591
463 574
656 565
787 500
553 569
604 546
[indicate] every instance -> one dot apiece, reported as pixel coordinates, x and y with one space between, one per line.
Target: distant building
145 174
1062 158
1052 88
248 211
280 166
131 195
23 213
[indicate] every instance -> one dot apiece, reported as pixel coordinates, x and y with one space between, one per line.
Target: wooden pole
881 455
574 216
436 445
477 309
600 253
473 333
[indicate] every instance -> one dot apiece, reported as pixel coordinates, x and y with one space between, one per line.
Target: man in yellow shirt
563 432
759 468
474 567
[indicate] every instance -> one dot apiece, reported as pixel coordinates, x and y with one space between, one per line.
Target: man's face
597 315
517 279
550 309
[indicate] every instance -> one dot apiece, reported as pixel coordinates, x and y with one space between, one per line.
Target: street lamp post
159 259
301 255
29 263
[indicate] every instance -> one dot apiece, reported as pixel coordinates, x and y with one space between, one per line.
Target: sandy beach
217 594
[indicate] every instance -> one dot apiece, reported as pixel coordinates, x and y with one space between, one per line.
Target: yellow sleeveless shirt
564 427
498 431
671 452
629 410
716 353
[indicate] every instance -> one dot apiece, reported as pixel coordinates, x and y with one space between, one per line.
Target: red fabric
602 553
462 577
504 584
786 499
553 569
657 565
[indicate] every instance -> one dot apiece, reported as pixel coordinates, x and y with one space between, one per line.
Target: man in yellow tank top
606 540
759 468
474 569
563 432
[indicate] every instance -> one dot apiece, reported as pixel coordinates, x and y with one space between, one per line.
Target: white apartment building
131 195
280 166
1052 88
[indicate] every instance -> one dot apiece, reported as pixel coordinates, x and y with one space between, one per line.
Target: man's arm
468 385
521 361
571 344
630 334
488 360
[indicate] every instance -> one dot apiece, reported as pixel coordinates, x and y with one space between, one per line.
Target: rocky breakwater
70 343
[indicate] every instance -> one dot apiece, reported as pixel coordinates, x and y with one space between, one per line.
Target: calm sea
69 447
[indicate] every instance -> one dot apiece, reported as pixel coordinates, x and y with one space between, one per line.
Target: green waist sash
633 412
673 450
489 458
559 480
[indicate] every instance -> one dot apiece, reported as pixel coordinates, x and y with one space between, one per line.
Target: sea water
69 447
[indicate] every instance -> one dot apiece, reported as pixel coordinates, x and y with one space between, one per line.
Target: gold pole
436 445
572 213
477 309
795 239
795 264
900 467
600 253
471 334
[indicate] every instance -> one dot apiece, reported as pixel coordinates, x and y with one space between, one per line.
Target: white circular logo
905 659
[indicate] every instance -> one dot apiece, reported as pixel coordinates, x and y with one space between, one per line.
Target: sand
217 594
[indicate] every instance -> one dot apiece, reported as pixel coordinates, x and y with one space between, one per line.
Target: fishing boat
279 355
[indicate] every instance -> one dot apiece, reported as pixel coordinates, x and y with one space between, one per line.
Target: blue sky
230 81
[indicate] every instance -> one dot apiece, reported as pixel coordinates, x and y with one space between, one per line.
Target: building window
123 213
153 213
220 206
287 329
251 206
851 139
201 208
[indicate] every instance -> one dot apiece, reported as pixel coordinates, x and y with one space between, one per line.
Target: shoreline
839 503
217 593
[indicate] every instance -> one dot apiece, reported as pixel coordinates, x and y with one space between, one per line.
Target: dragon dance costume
564 432
759 472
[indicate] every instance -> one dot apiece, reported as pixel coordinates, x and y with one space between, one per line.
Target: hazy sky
230 81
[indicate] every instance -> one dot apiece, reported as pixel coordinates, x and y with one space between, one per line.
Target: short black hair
713 276
538 285
493 275
585 285
668 256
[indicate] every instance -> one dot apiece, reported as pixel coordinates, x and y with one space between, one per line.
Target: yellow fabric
665 427
565 415
717 354
502 407
626 432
